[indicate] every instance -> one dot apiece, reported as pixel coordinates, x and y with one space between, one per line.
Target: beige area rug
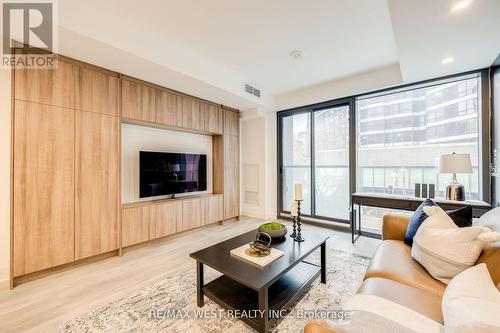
133 313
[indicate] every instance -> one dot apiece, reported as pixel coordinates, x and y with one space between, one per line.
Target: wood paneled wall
66 178
231 164
66 165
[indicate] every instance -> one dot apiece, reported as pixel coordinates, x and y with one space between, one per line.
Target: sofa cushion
471 303
392 260
418 300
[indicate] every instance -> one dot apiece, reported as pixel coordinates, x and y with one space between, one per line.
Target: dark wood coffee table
247 287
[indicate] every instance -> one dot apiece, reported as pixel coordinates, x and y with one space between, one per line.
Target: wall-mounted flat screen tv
171 173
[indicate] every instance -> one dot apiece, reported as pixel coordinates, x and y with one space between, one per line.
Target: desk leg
199 284
359 220
323 263
353 216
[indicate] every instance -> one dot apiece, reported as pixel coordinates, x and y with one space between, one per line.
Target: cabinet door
214 120
191 213
43 187
212 208
136 222
97 92
231 176
190 113
97 179
47 86
204 117
168 108
168 216
138 101
231 122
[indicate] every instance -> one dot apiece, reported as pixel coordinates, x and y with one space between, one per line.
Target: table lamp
455 163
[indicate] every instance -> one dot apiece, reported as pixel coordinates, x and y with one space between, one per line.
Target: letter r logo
30 24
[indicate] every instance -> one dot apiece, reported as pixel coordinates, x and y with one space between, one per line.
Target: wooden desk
382 200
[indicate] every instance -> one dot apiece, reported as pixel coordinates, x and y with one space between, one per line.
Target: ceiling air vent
251 90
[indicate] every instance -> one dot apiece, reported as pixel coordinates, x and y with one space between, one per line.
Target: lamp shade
455 163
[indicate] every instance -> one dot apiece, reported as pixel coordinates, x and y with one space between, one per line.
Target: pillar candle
293 208
298 191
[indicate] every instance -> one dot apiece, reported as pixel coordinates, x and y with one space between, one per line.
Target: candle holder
298 237
294 233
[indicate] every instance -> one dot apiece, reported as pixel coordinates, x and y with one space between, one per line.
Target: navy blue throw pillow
461 216
416 220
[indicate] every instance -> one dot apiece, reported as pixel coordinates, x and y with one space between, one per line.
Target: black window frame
484 140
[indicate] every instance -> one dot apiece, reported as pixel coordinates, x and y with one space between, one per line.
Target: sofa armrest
323 326
394 226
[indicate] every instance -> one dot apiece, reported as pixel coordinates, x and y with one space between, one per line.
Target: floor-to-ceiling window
382 142
401 135
296 162
314 146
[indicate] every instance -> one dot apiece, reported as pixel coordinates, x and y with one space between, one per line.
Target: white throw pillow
471 302
444 249
490 219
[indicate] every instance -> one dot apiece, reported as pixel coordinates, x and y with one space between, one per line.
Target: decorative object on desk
418 190
246 253
293 213
273 229
261 247
455 163
298 236
432 191
424 191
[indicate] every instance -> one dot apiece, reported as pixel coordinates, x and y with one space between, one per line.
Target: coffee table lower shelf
282 294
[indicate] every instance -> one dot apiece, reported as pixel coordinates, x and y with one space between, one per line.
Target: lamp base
455 191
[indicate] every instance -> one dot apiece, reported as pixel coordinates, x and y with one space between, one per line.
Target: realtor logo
28 34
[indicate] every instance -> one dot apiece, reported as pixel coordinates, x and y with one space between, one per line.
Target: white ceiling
222 44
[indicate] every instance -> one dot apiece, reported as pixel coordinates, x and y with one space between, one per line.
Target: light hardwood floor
43 305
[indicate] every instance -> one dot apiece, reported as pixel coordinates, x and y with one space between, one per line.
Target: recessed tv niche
171 173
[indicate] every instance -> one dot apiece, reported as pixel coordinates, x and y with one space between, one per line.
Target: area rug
134 313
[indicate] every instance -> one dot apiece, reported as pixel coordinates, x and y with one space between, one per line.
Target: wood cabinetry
191 213
136 222
54 87
212 209
97 180
168 108
138 101
44 161
66 164
97 91
214 122
145 221
231 176
231 123
168 218
231 164
191 113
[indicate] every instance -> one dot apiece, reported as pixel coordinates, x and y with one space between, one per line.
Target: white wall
5 145
136 138
252 143
258 163
356 84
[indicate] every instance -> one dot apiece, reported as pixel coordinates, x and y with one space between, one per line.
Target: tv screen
171 173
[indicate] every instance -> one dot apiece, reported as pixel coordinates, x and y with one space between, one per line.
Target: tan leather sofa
394 275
